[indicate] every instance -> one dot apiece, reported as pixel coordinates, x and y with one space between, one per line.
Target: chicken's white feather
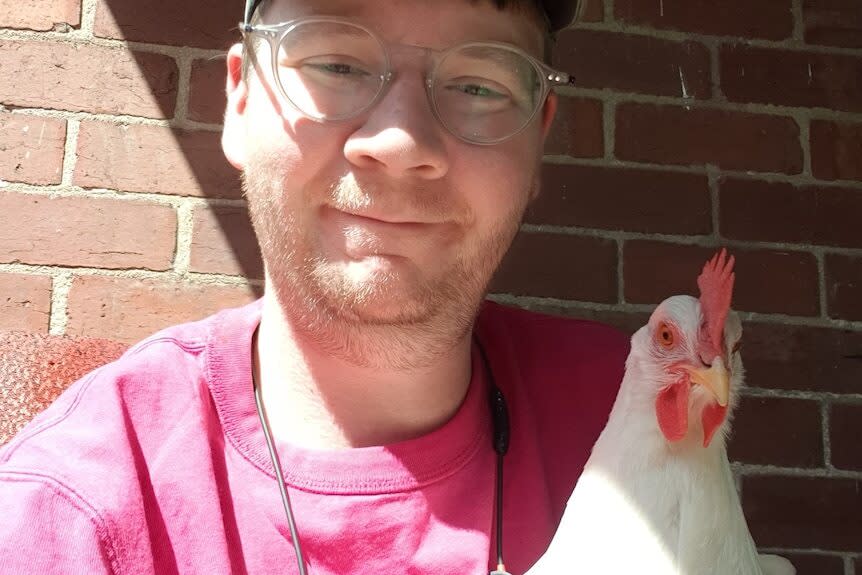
647 505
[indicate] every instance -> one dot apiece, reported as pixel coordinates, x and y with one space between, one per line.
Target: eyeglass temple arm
250 7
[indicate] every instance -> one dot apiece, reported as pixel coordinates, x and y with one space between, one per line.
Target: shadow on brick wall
187 158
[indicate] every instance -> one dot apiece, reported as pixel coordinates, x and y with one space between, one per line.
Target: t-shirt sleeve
46 528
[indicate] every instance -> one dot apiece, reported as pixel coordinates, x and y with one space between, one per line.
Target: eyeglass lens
482 93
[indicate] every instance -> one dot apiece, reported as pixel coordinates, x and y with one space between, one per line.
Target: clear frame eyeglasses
331 69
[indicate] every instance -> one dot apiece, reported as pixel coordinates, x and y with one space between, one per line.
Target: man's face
386 219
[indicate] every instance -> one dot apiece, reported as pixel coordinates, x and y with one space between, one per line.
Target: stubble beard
342 317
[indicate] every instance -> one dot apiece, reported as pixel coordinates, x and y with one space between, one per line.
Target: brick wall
696 124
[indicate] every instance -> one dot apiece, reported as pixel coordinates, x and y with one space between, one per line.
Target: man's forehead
436 24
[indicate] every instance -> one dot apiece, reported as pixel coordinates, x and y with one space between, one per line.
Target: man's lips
378 219
364 234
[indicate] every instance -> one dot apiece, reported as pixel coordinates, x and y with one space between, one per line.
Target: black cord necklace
500 417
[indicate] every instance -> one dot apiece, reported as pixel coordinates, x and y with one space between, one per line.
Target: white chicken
657 495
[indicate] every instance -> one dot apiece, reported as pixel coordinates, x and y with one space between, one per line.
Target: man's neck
316 400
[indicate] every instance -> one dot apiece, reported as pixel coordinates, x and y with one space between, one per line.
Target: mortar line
192 278
751 470
88 19
789 43
825 410
119 119
714 48
745 316
798 22
609 121
72 191
60 288
70 152
608 7
184 70
712 176
809 551
804 123
621 273
821 282
701 240
760 108
819 396
88 37
185 225
795 180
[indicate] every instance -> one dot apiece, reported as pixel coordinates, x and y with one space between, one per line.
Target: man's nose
400 135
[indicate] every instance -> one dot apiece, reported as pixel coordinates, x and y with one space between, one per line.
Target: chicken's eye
665 335
736 347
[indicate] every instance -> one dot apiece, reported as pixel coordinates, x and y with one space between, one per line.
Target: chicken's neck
685 489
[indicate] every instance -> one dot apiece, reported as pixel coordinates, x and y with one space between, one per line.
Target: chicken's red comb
716 290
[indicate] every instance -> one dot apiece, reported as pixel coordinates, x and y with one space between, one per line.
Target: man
389 151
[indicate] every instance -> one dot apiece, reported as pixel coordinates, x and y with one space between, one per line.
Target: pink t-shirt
157 463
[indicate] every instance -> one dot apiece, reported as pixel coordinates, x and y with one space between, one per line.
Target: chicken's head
689 349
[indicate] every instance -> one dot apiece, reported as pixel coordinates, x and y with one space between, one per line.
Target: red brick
836 150
623 199
41 15
833 22
79 77
92 232
223 242
207 98
791 77
845 429
25 302
697 136
577 130
782 212
198 23
804 512
630 63
771 19
795 357
559 266
815 564
128 309
31 149
844 286
767 281
154 159
777 431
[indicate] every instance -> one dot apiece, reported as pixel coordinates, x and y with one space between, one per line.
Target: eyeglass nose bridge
430 57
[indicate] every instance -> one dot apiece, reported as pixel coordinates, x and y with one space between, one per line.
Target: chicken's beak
715 378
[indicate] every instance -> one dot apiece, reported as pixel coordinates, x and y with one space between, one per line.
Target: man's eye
480 88
339 69
477 90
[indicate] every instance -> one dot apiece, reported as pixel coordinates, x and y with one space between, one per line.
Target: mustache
347 194
350 195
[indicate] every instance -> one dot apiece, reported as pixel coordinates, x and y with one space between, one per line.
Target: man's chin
380 305
383 313
385 319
